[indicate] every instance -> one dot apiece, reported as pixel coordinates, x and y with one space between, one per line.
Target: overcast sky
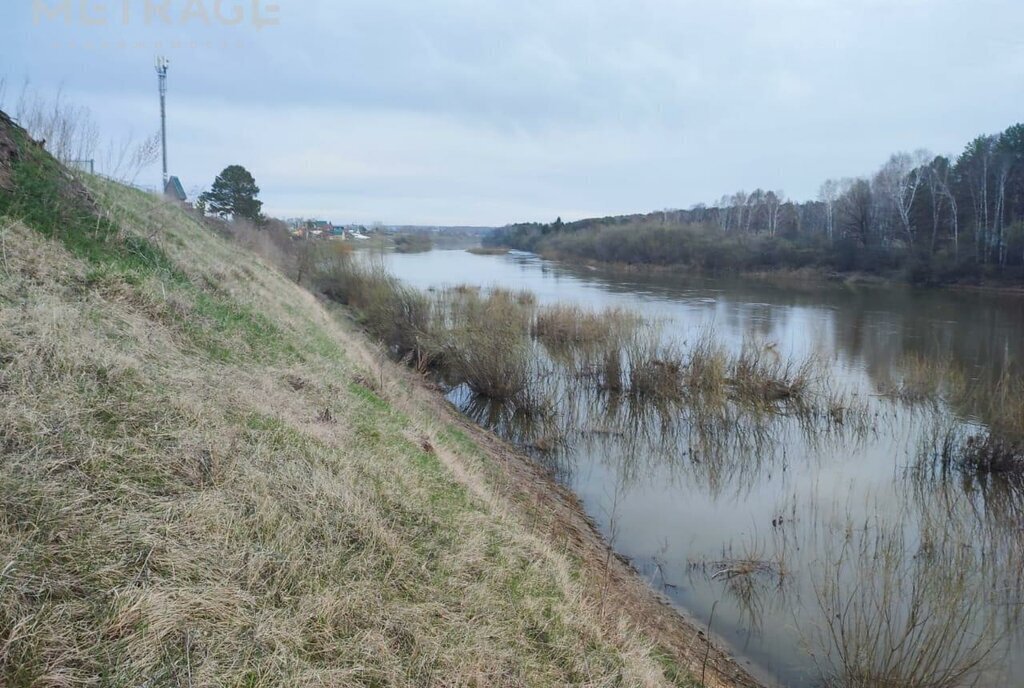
485 112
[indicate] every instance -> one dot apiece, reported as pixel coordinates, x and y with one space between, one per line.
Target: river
773 530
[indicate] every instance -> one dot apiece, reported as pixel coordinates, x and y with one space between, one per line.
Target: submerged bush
901 613
566 325
481 341
759 374
655 369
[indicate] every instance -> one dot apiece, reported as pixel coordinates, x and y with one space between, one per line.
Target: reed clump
995 445
760 374
749 576
978 452
522 297
655 369
610 372
481 340
707 366
568 325
1001 405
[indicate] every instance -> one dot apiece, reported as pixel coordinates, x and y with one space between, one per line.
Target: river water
788 538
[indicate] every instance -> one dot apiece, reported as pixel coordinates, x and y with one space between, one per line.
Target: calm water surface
818 504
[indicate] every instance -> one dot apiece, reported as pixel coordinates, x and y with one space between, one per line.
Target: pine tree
234 193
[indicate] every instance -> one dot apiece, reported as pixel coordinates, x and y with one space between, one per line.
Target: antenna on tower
161 72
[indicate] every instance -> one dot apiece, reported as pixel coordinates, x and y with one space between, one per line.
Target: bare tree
829 194
125 158
724 213
942 198
899 181
773 201
755 204
739 204
854 208
69 132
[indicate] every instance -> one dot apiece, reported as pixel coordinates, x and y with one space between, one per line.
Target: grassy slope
206 480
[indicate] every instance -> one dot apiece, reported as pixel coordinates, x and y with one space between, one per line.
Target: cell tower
161 72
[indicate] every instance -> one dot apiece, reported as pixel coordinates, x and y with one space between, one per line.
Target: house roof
175 190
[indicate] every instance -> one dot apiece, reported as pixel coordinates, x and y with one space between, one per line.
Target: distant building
175 191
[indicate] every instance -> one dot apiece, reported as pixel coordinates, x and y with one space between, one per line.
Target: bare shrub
392 312
655 368
899 615
69 131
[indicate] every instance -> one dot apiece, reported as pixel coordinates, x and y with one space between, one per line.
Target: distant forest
923 218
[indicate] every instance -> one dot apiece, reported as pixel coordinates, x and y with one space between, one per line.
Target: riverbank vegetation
921 218
509 351
993 442
413 243
487 339
487 250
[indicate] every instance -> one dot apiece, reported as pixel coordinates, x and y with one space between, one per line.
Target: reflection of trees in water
978 333
986 514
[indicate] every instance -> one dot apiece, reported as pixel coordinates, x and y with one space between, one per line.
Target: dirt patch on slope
8 152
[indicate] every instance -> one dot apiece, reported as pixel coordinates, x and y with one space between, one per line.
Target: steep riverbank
211 478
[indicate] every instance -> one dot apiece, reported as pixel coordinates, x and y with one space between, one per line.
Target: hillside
211 478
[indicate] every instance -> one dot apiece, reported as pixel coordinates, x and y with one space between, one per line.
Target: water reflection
781 518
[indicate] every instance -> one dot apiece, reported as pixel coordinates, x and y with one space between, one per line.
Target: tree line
924 217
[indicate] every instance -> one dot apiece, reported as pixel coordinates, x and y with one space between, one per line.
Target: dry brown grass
481 340
568 325
194 492
707 366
